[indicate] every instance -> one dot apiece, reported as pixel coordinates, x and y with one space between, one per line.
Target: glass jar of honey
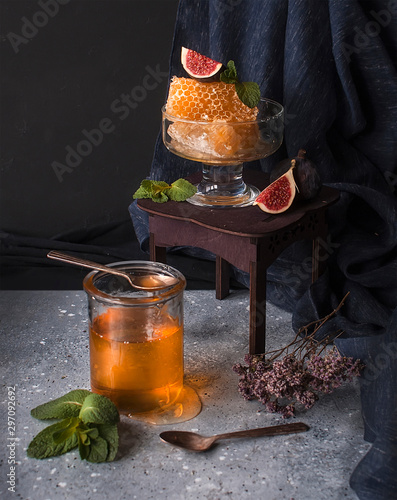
136 341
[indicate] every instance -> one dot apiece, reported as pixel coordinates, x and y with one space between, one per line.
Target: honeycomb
199 101
219 139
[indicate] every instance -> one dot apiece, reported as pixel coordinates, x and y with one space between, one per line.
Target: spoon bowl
151 282
196 442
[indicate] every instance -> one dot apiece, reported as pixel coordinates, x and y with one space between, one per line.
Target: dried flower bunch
298 372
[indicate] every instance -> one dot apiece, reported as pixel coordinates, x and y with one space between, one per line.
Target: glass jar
136 338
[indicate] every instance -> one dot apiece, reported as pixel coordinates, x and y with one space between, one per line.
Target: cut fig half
279 195
198 66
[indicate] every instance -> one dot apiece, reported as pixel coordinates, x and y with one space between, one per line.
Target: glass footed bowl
222 148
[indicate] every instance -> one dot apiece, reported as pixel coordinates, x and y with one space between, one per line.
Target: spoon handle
54 254
70 259
273 430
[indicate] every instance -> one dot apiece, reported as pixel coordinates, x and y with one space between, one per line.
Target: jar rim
147 297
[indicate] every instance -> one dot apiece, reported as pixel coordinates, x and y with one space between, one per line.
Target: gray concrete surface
44 354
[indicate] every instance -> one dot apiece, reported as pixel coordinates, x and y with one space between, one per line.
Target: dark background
65 79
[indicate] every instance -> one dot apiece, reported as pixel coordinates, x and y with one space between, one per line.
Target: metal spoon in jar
195 442
152 282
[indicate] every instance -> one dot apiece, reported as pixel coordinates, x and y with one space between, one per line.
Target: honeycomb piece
217 140
198 101
225 141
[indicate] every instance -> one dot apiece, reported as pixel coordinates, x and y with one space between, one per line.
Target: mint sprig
230 73
248 92
160 191
89 422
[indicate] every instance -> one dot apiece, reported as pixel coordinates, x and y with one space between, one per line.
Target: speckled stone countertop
44 354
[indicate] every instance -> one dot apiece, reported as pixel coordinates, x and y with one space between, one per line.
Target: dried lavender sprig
302 340
320 322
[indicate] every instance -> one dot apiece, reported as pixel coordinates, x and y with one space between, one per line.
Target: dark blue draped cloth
332 64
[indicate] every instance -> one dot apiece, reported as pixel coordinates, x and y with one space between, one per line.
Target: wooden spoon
196 442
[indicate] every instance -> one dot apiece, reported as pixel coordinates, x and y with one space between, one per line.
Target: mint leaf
146 184
181 190
87 433
141 192
110 433
152 189
68 405
249 93
62 435
98 409
160 197
85 436
160 191
98 450
230 74
90 442
158 186
43 445
84 447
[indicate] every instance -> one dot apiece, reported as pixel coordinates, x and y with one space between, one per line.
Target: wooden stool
244 237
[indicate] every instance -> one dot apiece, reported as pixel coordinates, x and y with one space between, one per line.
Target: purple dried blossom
272 407
287 411
286 378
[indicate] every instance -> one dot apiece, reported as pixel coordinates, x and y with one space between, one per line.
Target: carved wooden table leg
257 334
157 254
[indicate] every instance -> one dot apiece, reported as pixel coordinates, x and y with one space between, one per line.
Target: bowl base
224 199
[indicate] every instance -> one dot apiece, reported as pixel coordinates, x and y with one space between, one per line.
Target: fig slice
199 66
279 195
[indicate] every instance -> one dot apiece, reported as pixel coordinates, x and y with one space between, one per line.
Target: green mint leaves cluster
160 191
89 422
248 92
